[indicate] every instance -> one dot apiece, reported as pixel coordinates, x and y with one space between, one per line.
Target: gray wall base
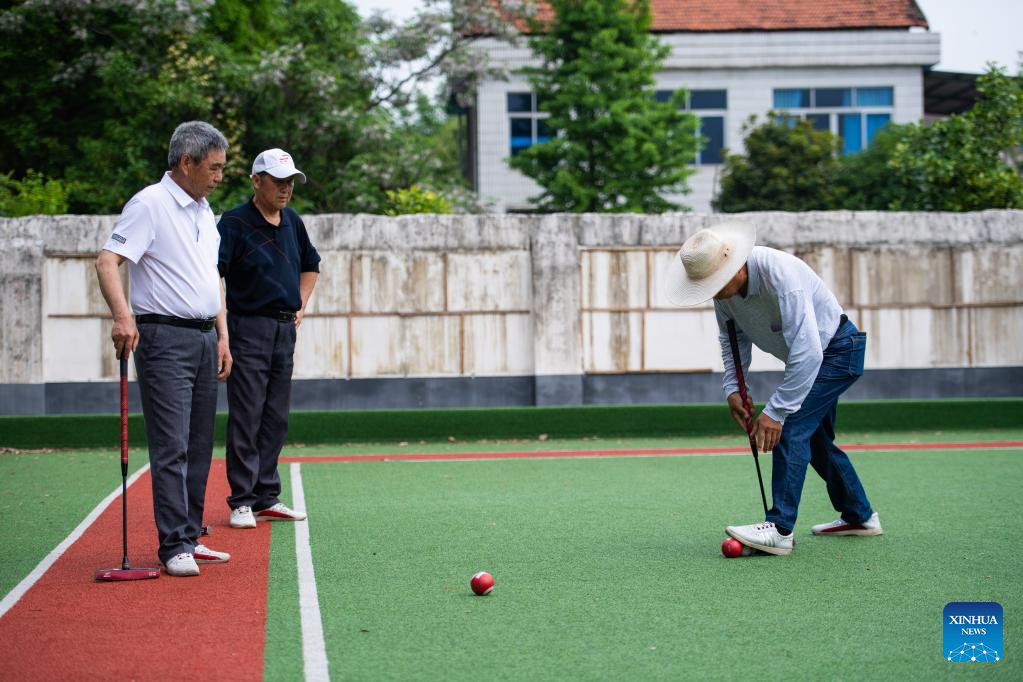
594 389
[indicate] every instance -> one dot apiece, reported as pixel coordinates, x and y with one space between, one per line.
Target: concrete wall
559 309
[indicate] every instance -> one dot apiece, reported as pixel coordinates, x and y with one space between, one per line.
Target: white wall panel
398 282
682 340
79 349
498 345
612 342
333 292
489 281
321 348
614 279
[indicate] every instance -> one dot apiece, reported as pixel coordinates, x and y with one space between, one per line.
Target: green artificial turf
611 569
738 441
44 496
368 426
282 657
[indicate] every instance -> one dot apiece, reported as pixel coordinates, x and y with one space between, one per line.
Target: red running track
210 627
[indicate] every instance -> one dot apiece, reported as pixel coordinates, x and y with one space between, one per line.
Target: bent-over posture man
270 268
779 303
179 334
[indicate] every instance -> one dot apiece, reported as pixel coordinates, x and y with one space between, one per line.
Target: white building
849 66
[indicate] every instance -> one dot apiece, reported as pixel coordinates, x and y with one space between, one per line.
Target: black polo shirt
261 263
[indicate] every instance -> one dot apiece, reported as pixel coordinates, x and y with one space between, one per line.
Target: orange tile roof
776 15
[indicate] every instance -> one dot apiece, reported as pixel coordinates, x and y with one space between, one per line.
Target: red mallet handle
733 341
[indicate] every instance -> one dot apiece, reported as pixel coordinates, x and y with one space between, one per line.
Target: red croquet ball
482 583
731 548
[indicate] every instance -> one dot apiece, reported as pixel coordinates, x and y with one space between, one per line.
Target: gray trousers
258 401
177 373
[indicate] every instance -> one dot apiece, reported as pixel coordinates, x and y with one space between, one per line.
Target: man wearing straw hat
779 303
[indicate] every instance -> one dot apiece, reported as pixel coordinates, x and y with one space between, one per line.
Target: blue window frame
712 129
526 123
832 97
791 99
853 114
874 97
852 133
874 124
710 106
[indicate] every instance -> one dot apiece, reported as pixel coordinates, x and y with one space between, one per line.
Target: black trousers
177 374
258 400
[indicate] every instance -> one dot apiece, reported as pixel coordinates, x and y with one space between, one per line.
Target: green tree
415 199
93 90
35 194
866 180
612 145
966 162
787 166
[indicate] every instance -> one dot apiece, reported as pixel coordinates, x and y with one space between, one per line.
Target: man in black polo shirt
270 268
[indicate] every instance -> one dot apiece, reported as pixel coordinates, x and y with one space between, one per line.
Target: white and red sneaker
181 565
871 526
205 555
241 517
763 536
279 512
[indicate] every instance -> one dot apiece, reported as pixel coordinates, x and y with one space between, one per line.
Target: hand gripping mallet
733 341
125 572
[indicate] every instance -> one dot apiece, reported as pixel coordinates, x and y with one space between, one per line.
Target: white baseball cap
707 261
277 163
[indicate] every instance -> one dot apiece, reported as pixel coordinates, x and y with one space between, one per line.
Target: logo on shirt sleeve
118 238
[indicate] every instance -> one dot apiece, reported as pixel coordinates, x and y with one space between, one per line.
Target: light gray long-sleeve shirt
788 312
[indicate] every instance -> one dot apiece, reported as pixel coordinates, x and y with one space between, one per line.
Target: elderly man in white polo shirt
779 303
168 234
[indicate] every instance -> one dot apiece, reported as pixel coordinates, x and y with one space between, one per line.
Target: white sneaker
242 518
763 536
279 512
871 526
205 555
181 565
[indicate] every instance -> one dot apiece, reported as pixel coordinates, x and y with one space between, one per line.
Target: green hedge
367 426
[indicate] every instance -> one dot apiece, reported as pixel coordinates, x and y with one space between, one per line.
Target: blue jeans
808 437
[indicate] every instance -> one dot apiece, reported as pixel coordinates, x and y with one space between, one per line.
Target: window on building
527 123
710 106
854 114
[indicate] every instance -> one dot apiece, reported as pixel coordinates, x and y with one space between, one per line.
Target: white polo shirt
172 243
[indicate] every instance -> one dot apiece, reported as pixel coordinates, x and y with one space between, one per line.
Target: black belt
204 325
279 315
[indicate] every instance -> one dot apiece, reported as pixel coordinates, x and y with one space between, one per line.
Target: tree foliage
967 162
787 166
93 90
35 194
865 179
612 146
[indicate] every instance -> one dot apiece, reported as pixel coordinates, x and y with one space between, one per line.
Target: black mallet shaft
733 341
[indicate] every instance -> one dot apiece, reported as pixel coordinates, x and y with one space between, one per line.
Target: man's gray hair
195 138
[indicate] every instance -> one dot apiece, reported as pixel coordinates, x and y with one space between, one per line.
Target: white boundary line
314 652
25 585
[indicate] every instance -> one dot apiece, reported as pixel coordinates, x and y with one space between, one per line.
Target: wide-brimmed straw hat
706 263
